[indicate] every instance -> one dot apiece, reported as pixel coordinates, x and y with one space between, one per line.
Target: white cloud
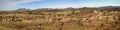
27 1
97 5
81 5
9 3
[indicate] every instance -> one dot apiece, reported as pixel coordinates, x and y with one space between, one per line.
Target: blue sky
34 4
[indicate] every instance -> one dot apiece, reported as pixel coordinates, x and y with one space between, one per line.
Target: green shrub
118 29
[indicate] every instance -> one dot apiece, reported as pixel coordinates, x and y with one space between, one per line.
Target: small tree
119 18
13 18
29 12
73 11
0 18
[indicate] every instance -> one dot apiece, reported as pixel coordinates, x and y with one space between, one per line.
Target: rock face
63 20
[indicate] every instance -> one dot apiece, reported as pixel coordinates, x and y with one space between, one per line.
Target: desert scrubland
61 19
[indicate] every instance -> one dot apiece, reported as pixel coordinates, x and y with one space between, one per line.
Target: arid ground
61 19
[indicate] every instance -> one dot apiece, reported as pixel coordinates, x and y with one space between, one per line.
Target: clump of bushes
118 29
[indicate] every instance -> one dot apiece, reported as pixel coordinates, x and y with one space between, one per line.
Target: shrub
118 29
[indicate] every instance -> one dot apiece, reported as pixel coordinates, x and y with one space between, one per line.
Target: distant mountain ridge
110 7
27 9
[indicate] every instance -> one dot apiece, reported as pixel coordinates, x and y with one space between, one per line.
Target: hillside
61 19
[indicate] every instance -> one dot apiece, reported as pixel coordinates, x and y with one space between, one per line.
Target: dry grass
61 20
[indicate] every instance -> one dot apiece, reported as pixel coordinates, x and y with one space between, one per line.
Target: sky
35 4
